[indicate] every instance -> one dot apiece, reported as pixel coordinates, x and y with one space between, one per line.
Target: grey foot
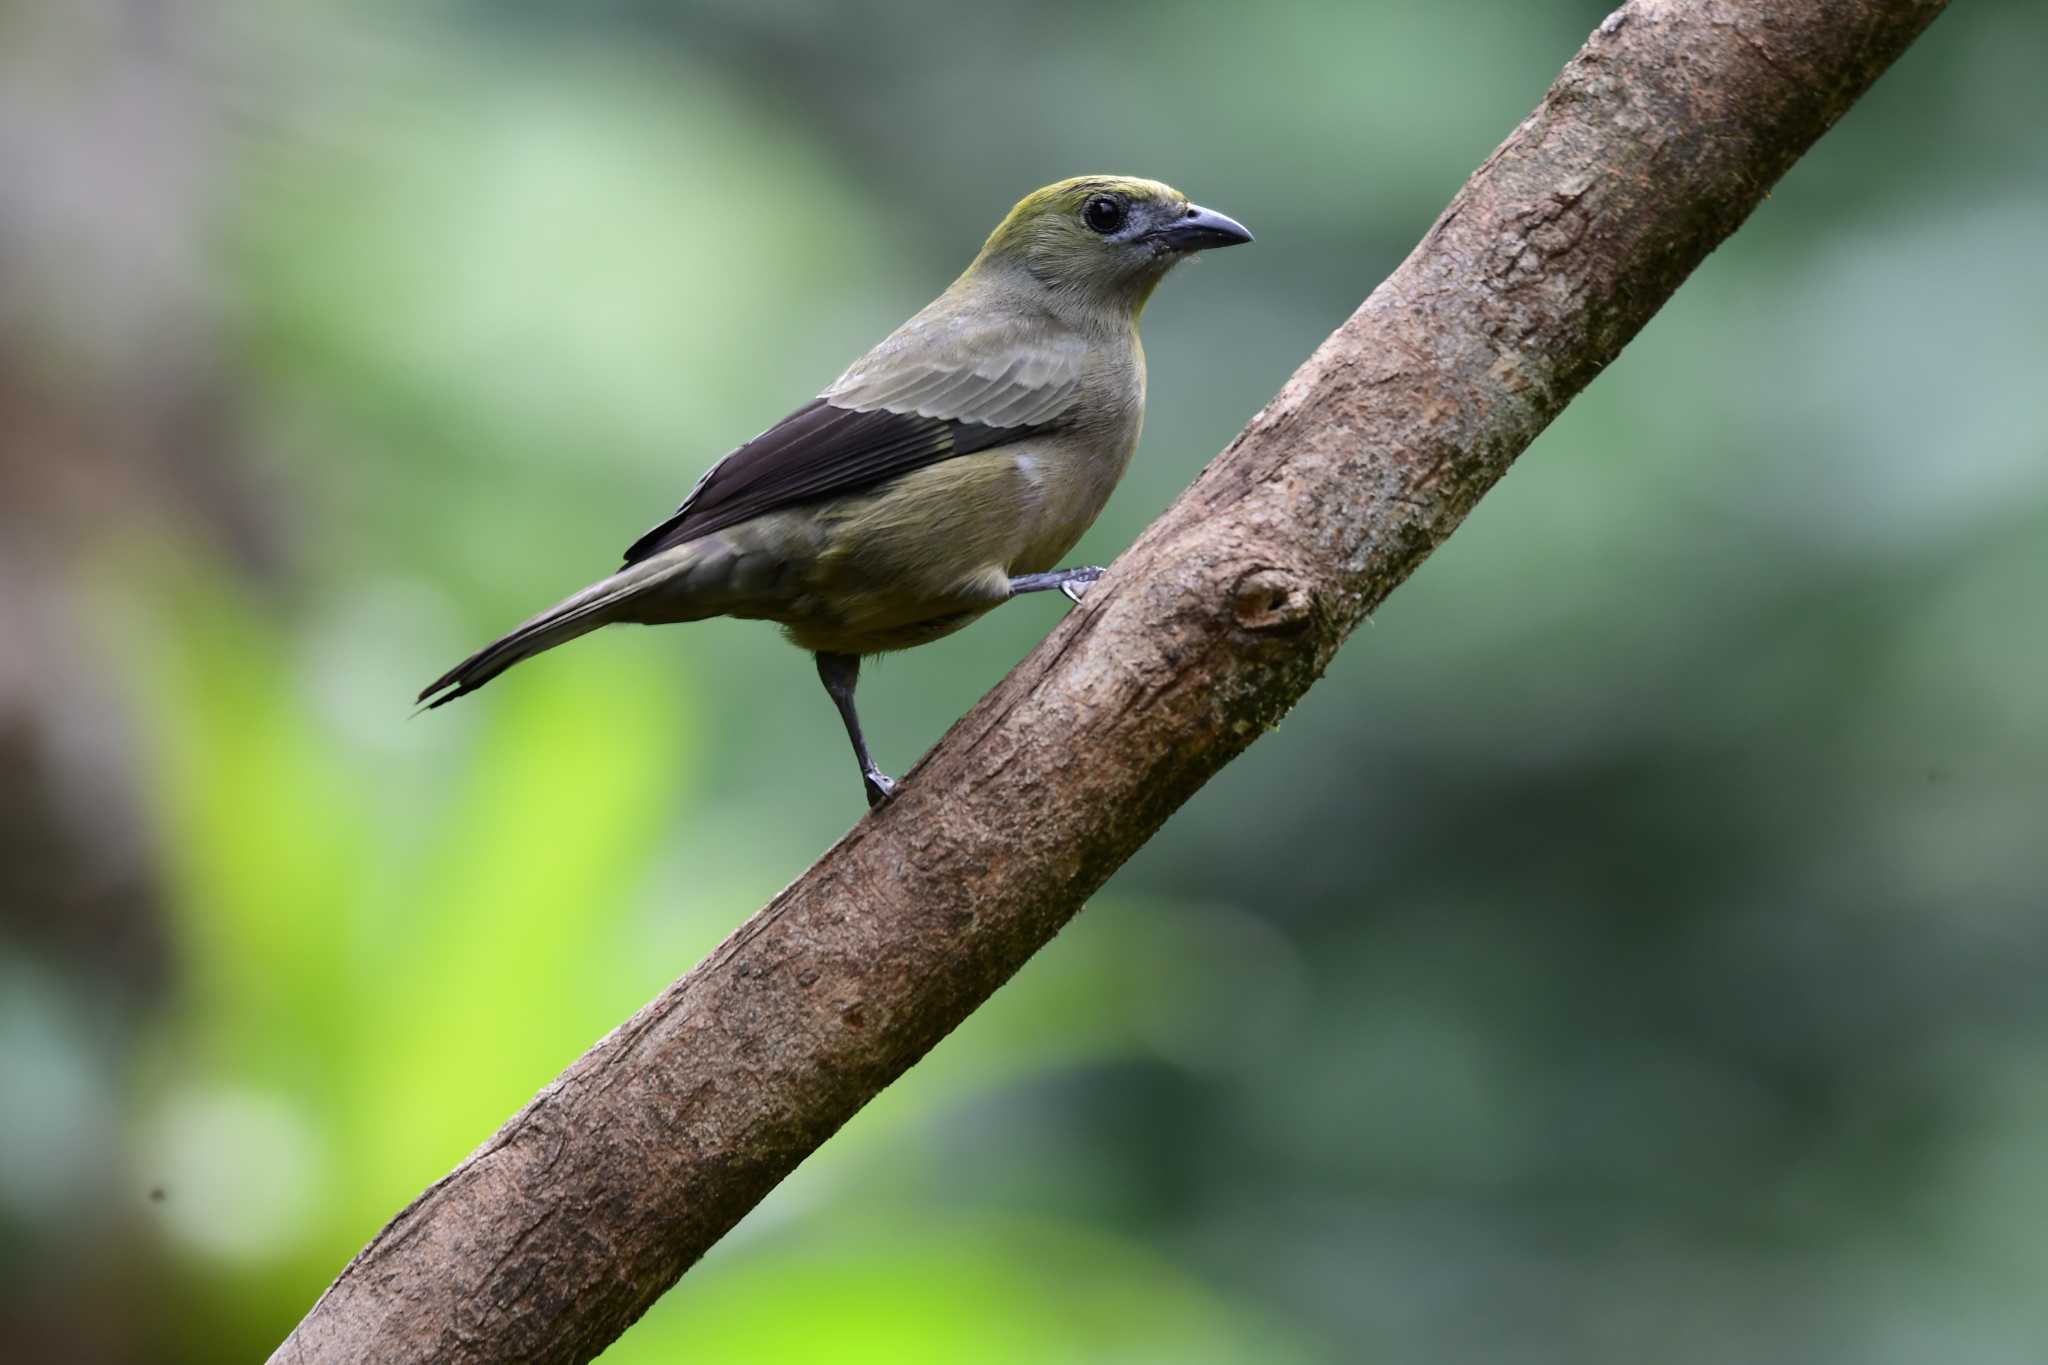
880 787
1072 582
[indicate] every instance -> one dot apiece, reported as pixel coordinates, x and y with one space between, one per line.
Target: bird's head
1107 239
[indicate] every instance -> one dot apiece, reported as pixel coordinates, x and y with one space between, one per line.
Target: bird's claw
880 788
1077 587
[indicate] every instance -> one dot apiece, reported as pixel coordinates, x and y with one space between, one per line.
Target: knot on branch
1272 602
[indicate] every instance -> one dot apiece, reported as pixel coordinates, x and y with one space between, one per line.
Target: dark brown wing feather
818 451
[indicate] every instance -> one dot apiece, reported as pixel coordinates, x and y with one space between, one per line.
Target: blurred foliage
1630 951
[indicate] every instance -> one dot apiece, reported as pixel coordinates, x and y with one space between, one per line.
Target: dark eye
1105 213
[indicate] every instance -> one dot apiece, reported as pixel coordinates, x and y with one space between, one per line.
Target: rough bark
1655 142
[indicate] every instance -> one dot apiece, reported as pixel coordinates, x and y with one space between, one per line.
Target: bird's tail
597 605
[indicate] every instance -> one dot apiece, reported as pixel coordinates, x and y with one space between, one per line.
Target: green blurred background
1632 951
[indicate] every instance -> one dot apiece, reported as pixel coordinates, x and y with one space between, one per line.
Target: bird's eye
1105 213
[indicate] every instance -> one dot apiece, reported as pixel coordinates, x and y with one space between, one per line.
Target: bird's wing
929 393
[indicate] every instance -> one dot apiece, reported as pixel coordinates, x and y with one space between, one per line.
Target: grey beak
1200 229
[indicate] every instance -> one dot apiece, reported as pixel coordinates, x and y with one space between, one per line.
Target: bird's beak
1200 229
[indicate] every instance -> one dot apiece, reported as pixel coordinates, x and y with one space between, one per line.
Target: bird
947 471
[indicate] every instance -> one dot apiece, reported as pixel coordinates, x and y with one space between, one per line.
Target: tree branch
1653 145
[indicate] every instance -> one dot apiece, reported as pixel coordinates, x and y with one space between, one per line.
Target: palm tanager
949 469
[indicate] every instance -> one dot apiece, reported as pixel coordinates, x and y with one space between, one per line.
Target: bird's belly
933 550
1063 492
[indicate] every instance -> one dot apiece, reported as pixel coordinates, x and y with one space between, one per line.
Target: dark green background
1632 951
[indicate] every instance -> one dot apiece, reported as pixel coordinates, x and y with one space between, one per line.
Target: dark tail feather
579 615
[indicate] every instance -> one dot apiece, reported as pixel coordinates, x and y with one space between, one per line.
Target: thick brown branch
1654 144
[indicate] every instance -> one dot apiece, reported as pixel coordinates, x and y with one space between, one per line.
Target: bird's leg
1072 582
840 673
